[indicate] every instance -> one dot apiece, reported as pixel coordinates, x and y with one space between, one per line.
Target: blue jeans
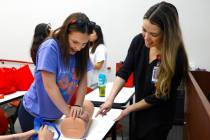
26 119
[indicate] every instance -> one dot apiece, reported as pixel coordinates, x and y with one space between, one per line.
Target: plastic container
102 84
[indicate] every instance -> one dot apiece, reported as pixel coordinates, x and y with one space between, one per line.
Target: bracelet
77 105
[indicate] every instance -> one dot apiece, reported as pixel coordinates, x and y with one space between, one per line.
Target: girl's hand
76 111
45 134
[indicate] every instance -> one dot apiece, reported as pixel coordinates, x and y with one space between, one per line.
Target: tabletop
99 126
122 98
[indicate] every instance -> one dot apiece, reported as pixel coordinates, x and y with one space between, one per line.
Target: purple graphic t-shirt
36 101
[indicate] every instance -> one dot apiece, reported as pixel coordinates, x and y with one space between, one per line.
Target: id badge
155 74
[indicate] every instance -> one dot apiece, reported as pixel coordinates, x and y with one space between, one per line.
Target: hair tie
72 21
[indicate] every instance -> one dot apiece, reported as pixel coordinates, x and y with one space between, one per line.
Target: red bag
12 79
24 78
7 80
129 82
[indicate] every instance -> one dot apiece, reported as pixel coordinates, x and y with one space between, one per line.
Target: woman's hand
122 115
104 108
45 134
76 111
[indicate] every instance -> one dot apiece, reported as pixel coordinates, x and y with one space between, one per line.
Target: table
11 97
99 126
123 97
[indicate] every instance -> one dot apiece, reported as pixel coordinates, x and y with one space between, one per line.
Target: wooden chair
198 106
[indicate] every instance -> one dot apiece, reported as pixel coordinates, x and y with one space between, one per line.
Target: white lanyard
155 72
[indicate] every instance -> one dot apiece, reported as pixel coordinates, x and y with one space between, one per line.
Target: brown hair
99 40
75 22
41 32
165 16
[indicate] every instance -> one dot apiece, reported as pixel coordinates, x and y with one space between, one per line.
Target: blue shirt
36 101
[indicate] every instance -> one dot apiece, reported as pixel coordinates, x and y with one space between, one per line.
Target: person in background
43 134
159 61
98 56
41 32
62 63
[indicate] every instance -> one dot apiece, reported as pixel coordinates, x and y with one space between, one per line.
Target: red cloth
73 99
129 82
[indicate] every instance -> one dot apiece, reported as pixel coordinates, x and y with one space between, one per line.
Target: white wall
120 21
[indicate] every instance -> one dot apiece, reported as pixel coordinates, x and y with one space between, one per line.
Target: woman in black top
158 59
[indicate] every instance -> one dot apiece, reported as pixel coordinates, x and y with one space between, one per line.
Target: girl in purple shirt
62 63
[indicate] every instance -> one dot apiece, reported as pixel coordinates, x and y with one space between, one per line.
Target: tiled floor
17 127
176 133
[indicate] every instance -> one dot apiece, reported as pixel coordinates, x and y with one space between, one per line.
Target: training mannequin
76 128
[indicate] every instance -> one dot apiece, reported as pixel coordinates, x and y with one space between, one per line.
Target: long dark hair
78 22
99 40
41 32
165 16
